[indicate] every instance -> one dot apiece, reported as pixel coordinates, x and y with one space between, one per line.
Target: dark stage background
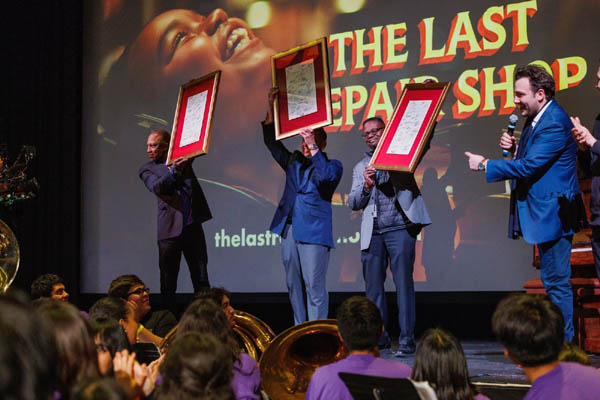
51 101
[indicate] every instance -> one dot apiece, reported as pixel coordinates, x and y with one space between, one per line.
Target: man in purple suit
182 208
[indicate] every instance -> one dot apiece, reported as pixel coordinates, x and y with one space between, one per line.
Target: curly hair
121 285
42 286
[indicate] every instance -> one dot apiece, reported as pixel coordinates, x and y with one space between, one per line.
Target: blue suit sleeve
545 147
159 185
277 149
328 171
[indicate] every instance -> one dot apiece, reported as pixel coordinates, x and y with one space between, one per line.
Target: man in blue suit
182 208
545 200
303 217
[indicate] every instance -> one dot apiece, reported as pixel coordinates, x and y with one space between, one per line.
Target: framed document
407 133
304 101
193 117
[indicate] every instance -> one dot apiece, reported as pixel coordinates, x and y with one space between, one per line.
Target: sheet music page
409 127
301 89
194 118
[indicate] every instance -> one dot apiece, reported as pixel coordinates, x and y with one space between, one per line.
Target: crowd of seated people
51 350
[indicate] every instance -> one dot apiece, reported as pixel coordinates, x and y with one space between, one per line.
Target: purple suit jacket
168 188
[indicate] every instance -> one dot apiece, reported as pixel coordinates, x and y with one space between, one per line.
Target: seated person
28 353
100 388
531 329
115 308
110 338
441 362
77 358
51 286
204 315
571 353
360 326
133 290
221 297
197 366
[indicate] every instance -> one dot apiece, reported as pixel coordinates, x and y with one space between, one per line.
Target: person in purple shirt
205 315
360 326
530 328
441 362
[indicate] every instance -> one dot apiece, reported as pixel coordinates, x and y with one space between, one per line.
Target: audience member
28 353
360 326
205 316
197 366
572 353
134 291
110 338
220 296
441 362
49 285
531 330
114 308
100 388
77 359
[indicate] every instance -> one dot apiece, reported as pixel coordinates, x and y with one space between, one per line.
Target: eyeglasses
372 132
140 291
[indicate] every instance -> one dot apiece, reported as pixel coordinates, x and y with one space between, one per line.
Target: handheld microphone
512 120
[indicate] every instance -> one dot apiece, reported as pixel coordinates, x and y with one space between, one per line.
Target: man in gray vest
393 214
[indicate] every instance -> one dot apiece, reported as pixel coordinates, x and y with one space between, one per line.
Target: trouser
555 267
397 247
305 264
192 244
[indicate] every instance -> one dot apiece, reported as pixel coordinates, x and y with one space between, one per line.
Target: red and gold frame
191 136
407 133
314 53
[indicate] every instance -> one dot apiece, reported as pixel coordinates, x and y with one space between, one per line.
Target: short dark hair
440 360
121 285
42 286
539 78
111 334
165 137
205 315
105 388
215 294
359 322
109 308
530 327
197 366
375 118
28 352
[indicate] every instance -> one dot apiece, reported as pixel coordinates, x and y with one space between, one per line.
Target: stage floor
486 363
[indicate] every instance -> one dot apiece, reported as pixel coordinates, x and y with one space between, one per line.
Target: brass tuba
251 331
9 256
288 363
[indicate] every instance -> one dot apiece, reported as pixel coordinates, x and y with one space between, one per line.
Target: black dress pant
192 244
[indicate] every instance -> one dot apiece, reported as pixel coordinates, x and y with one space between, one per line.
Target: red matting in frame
382 159
315 51
210 84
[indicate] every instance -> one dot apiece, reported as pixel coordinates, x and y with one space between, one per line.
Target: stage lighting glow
258 14
349 6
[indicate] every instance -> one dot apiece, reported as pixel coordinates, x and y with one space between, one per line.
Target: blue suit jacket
547 190
168 188
309 187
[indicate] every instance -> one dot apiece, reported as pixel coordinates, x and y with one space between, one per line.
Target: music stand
364 387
